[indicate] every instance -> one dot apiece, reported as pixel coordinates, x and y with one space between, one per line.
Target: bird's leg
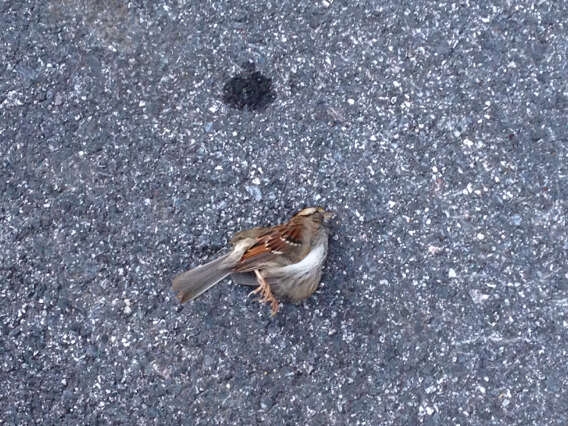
265 292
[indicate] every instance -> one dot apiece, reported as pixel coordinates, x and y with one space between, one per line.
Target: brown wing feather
278 240
254 251
293 236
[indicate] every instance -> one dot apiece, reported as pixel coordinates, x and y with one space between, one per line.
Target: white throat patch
312 261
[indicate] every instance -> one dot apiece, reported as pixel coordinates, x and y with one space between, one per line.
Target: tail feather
192 283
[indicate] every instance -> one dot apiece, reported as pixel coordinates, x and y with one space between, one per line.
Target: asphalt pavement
437 132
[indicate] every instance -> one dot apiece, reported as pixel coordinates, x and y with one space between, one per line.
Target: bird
283 261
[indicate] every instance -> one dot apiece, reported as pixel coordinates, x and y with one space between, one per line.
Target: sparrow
283 261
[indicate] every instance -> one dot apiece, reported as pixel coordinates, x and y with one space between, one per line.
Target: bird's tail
192 283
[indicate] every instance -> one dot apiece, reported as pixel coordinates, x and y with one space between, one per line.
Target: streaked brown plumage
284 261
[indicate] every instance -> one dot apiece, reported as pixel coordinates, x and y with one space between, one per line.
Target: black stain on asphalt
249 89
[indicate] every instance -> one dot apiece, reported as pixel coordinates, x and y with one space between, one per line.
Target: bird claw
265 293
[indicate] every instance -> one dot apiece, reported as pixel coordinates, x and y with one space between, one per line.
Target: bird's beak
328 214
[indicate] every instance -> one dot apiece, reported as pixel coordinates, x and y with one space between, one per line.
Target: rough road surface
436 131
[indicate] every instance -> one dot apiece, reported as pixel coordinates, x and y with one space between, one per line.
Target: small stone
254 192
477 296
516 219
